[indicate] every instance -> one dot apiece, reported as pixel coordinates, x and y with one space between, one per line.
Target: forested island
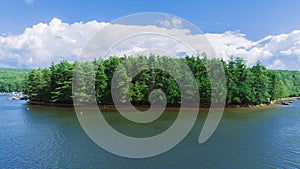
245 85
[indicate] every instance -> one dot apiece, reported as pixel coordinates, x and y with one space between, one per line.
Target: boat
285 103
24 97
17 96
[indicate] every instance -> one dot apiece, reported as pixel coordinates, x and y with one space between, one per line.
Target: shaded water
51 137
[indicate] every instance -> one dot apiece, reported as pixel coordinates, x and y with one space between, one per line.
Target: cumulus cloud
44 43
276 52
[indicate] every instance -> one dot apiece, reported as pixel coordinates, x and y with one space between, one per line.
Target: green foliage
136 77
120 85
37 84
238 82
260 84
61 83
100 82
11 80
196 65
291 79
277 88
85 74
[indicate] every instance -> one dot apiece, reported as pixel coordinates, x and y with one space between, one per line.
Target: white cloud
277 64
172 22
44 43
277 52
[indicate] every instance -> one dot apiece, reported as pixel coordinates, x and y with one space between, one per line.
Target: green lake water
51 137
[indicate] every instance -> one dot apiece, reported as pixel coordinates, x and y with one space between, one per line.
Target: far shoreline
112 107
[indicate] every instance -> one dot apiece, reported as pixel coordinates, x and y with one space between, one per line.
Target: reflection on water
51 137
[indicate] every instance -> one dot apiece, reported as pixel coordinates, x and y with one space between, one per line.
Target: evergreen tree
120 85
260 83
61 83
100 82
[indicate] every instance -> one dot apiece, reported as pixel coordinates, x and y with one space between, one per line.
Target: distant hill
11 79
291 80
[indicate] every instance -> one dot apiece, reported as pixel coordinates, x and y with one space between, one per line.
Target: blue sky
34 33
255 18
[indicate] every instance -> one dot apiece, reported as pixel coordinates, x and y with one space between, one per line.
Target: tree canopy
12 79
245 85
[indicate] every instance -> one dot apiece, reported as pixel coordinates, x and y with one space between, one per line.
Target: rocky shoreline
286 101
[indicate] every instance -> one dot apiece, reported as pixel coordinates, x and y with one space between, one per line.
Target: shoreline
282 101
286 101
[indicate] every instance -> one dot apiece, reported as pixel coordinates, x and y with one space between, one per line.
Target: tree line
244 85
11 80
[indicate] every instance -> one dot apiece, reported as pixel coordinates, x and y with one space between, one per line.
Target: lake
34 136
